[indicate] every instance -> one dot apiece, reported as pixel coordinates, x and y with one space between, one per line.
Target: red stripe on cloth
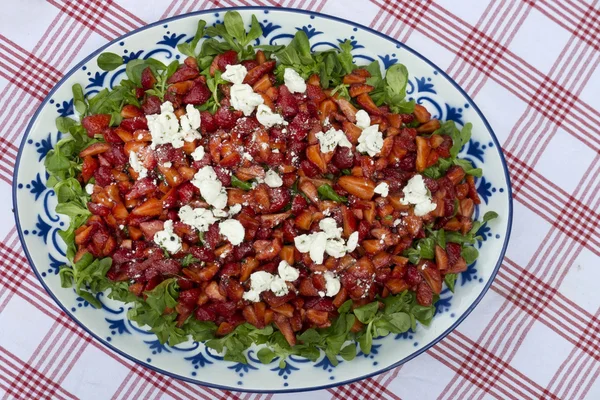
27 379
585 24
555 251
512 72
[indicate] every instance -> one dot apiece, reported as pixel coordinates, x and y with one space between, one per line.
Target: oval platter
38 224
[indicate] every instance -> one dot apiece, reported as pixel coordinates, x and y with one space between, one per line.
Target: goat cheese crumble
244 99
165 127
370 141
167 239
294 82
233 230
331 139
363 121
235 73
329 241
267 117
417 194
210 186
137 166
198 218
272 179
198 153
383 189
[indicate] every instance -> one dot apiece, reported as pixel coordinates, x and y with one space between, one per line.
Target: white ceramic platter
38 224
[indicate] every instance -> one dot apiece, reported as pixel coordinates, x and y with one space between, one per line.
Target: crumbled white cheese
272 179
247 156
332 284
165 127
233 230
234 73
396 222
294 82
137 166
210 186
416 193
370 141
279 287
267 117
327 241
190 123
235 209
383 189
244 99
167 239
363 120
331 139
198 153
326 122
352 241
168 164
287 272
329 226
89 188
260 281
220 213
198 218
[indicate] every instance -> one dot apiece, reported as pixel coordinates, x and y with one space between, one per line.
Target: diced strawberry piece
424 294
90 164
133 124
198 94
148 80
221 61
299 204
141 188
184 73
110 136
224 175
343 158
203 254
131 111
287 103
299 127
242 251
412 276
246 126
151 105
249 64
103 176
167 266
174 98
116 156
186 192
258 71
149 228
98 209
95 124
225 118
212 237
209 123
320 304
315 93
280 197
205 313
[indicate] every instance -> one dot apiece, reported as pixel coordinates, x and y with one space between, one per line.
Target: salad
263 195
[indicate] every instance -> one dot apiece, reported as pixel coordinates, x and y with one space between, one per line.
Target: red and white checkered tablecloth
532 67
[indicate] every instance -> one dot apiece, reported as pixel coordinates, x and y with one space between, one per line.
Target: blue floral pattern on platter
110 324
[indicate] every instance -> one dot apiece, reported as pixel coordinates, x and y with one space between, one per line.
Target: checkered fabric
532 67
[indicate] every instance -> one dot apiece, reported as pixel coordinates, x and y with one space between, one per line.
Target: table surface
531 66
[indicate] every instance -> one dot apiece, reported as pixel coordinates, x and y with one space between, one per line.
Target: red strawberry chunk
95 124
198 94
184 73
